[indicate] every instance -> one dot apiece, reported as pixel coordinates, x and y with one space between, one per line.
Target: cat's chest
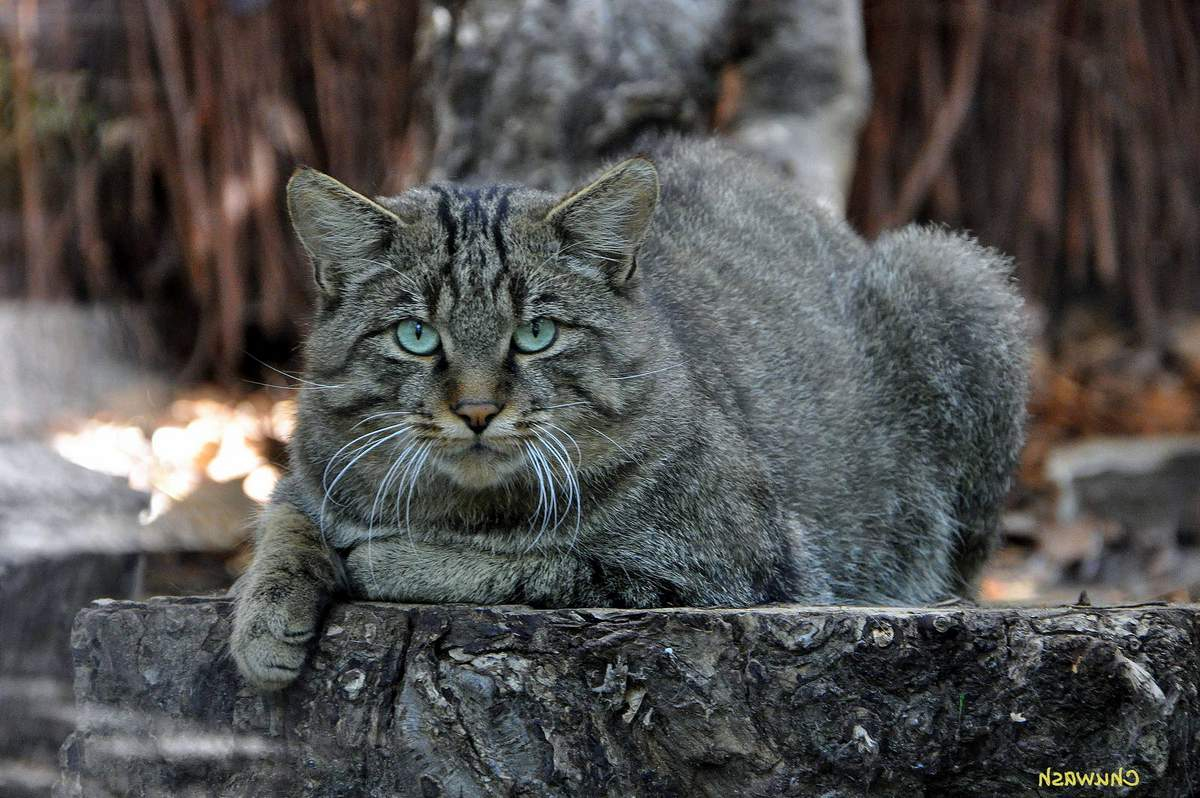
494 536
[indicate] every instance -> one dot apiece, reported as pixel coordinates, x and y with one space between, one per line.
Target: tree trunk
542 93
461 701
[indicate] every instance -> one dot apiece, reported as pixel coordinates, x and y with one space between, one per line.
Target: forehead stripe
497 233
450 225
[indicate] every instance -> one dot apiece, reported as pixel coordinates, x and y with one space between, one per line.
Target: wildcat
708 393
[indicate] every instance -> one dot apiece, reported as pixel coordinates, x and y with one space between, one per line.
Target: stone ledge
453 700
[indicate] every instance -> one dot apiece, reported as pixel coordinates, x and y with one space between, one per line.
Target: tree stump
473 701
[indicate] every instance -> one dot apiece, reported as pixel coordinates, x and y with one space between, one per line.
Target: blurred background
152 298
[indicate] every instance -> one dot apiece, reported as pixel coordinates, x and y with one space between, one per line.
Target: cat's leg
280 599
396 569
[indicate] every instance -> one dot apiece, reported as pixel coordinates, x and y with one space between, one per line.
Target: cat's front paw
270 638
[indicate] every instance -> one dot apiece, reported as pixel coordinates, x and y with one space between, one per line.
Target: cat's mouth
482 463
483 448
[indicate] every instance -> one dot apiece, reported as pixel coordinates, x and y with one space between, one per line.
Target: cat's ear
608 218
338 227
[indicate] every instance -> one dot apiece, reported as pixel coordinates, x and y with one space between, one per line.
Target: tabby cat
681 384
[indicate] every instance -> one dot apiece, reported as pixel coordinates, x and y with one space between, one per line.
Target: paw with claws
271 633
280 599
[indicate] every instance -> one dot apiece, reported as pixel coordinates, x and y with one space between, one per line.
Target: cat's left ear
340 229
608 218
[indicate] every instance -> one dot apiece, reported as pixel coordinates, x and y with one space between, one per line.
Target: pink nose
477 414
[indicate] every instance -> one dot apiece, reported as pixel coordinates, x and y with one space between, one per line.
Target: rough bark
452 700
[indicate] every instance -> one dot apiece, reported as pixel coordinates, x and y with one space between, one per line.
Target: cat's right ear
340 229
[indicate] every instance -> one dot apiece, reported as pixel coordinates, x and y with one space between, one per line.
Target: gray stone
462 701
67 536
65 361
1142 483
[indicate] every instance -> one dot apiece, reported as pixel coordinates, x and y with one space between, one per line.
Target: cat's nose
477 414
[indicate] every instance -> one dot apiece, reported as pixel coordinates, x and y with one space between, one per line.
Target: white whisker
627 453
552 492
568 436
289 375
570 474
407 279
365 419
419 462
289 387
648 373
537 471
361 453
333 459
382 491
550 507
536 271
555 407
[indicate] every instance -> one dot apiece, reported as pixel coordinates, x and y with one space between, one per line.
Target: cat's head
484 335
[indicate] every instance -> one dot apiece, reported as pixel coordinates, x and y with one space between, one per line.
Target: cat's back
883 383
748 276
738 219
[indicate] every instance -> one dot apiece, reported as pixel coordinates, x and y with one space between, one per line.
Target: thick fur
756 404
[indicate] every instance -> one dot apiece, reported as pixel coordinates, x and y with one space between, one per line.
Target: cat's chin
480 469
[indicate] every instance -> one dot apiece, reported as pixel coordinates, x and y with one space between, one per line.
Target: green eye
535 336
417 337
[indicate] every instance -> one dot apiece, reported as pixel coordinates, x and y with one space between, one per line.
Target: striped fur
745 403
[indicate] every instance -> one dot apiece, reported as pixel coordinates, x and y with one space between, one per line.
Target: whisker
390 477
550 508
626 452
287 387
648 373
570 474
333 459
536 271
555 407
568 436
383 486
537 472
559 453
287 374
406 279
415 449
361 454
552 492
420 463
387 413
578 487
